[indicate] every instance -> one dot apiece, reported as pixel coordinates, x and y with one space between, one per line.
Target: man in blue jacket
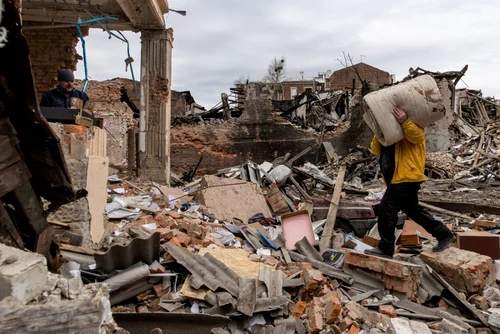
60 97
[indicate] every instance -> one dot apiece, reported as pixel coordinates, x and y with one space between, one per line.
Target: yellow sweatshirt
409 152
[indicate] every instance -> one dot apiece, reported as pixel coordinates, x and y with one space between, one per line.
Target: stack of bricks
50 51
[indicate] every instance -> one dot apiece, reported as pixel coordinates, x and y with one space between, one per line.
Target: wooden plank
300 189
13 176
461 206
486 224
58 223
30 207
9 155
330 152
9 229
479 148
80 250
446 212
290 162
326 237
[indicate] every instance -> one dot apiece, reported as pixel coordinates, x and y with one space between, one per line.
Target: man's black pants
404 197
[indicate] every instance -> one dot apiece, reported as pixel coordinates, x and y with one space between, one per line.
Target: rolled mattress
419 97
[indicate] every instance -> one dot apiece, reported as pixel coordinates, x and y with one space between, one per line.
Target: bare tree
347 63
242 80
276 71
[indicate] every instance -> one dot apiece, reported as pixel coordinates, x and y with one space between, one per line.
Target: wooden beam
58 223
326 237
290 162
446 212
330 152
80 250
8 228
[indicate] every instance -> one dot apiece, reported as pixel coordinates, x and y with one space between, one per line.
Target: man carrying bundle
402 166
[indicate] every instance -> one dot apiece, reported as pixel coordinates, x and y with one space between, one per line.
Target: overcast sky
219 41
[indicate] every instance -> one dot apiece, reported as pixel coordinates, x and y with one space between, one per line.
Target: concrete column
154 126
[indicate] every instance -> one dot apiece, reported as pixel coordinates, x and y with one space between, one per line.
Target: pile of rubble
277 247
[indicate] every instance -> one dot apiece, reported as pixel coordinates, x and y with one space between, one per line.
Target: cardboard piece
296 226
480 242
373 237
409 237
228 198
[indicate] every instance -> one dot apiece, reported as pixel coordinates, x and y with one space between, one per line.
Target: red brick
325 289
175 241
143 220
173 214
387 310
196 241
185 225
345 323
165 233
158 289
183 238
172 223
354 329
155 304
312 278
304 265
333 308
161 220
299 309
466 271
397 275
314 318
196 231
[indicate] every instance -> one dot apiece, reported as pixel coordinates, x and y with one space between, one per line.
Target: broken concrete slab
405 326
360 314
466 271
397 275
23 275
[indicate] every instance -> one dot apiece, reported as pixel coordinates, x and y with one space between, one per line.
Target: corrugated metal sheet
206 270
137 250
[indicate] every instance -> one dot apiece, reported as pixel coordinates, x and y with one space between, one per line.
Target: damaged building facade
270 239
53 38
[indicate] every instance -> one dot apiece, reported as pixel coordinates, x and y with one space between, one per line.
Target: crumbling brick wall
300 86
342 79
50 51
118 117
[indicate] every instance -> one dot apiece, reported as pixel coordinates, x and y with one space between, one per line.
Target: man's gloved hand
400 115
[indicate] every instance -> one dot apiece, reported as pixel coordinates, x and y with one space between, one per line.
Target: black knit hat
65 75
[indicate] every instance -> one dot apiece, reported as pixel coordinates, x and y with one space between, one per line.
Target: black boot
444 243
378 252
